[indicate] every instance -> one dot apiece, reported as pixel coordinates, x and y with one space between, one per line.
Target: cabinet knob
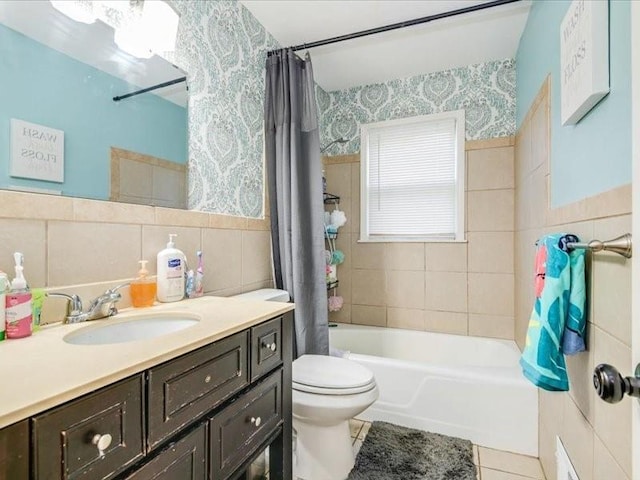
256 421
270 346
102 442
207 379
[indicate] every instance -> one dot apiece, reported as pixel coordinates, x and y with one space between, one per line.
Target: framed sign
37 152
584 58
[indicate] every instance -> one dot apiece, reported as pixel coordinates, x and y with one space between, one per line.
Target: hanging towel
557 323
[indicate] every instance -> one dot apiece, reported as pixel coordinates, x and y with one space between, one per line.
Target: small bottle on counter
143 288
19 316
172 266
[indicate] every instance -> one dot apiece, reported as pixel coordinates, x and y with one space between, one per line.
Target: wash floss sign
37 152
584 58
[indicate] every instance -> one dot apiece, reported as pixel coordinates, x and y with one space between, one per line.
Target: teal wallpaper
487 93
595 155
223 48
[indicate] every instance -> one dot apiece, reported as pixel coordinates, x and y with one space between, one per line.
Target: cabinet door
246 423
14 451
185 459
183 389
266 347
94 437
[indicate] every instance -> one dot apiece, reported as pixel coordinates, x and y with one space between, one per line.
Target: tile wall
464 288
85 246
596 435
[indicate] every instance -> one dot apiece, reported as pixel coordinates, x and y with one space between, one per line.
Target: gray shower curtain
294 177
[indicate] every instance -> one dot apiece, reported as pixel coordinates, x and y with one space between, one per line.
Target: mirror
62 131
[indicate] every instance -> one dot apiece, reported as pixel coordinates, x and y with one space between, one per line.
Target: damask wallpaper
223 48
487 93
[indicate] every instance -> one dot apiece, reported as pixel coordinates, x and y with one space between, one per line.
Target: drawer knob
256 421
207 379
102 442
270 346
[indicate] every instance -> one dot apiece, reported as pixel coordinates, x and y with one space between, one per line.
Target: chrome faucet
102 306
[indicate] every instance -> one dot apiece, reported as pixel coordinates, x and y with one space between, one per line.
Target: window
412 179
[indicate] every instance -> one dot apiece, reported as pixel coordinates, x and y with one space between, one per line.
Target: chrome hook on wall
622 245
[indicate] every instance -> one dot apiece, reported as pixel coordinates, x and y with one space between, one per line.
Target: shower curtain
294 177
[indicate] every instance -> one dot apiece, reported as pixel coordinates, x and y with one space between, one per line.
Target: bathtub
466 387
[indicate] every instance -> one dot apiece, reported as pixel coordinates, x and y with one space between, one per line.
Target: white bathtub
466 387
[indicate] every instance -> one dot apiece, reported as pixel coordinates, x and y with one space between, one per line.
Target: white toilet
327 393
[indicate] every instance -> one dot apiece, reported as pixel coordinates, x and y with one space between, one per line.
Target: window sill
411 240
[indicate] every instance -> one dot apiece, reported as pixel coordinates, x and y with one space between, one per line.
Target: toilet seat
324 375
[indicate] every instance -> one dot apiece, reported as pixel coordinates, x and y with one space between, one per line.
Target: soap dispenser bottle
18 304
143 288
171 272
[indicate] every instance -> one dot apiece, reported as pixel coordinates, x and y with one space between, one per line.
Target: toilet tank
266 294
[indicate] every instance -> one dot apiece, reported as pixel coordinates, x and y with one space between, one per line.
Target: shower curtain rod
395 26
150 89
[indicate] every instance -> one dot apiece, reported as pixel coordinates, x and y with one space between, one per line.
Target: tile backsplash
85 246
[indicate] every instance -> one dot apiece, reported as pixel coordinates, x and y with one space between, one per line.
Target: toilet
327 393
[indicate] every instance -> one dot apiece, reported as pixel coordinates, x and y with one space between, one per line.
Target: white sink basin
130 330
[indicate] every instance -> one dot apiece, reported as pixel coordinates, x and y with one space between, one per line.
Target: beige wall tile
338 179
577 437
404 256
227 221
490 169
227 292
491 293
405 289
256 257
580 370
344 287
604 465
35 206
446 291
490 211
112 212
155 238
355 180
91 252
368 315
367 255
341 316
547 451
454 323
613 421
183 218
222 257
368 287
551 407
491 252
446 257
411 319
494 326
490 474
522 154
28 237
250 287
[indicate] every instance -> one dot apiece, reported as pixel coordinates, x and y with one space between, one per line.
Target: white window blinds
412 178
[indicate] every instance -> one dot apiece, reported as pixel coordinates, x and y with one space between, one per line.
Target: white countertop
43 371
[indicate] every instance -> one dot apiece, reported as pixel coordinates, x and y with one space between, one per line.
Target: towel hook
622 245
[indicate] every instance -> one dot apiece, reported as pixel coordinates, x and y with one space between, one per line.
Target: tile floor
490 464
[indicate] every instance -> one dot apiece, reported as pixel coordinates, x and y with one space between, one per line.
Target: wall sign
37 152
584 58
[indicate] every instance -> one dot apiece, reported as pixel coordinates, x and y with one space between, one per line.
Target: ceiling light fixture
78 10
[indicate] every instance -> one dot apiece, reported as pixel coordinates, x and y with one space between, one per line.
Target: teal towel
557 322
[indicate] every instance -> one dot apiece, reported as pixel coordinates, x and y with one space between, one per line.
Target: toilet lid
331 375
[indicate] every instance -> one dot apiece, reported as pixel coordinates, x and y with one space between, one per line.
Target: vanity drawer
185 459
66 439
243 425
266 347
185 388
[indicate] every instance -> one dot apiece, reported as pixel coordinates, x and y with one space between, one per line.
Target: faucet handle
115 289
74 304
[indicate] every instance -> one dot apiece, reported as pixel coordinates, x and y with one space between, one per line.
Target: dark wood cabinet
97 436
185 459
204 415
14 451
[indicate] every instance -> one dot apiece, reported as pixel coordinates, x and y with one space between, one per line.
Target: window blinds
411 180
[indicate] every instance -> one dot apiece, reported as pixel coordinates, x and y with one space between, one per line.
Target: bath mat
391 452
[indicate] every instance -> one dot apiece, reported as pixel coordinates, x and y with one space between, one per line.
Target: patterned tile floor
490 464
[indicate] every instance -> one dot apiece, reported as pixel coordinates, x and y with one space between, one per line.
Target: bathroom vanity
205 413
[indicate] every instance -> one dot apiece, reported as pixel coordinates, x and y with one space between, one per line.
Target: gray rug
391 452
